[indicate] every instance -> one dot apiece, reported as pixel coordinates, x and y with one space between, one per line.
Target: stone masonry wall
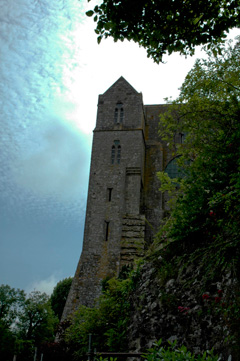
115 182
124 207
133 239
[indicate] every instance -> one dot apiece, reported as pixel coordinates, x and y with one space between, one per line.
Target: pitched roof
118 83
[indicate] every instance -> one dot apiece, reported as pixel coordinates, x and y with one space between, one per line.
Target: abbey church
124 206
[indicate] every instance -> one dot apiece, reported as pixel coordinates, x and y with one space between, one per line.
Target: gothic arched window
121 115
116 116
118 113
119 154
113 154
115 147
173 169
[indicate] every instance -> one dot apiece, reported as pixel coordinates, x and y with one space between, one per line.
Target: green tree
36 320
205 218
59 296
107 322
7 341
11 301
25 322
165 26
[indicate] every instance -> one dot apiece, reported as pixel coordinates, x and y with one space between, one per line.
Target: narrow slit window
106 230
119 154
182 137
109 194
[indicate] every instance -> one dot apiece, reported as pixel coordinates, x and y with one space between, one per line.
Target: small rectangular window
106 230
109 194
182 137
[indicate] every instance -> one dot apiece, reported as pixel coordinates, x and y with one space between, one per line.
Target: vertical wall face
157 158
116 178
156 153
133 190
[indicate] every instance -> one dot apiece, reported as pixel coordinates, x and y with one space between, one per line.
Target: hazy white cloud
37 50
44 158
46 285
58 166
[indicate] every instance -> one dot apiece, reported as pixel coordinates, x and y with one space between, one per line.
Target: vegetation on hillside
205 216
202 231
107 322
173 353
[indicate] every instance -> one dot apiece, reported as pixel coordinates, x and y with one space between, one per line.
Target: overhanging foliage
165 26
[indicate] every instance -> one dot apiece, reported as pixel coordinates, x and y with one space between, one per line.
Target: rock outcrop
178 308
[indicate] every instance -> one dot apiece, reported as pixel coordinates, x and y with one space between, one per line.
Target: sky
51 73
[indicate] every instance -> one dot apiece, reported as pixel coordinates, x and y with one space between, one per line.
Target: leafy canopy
36 320
108 321
10 302
59 296
25 321
205 216
166 26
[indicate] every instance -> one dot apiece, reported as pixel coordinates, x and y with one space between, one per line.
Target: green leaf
90 13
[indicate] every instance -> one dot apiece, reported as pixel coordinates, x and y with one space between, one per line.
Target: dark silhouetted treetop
166 26
59 296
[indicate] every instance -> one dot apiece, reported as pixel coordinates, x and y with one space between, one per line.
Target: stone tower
123 190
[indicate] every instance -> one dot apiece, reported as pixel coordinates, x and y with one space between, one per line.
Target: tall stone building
124 206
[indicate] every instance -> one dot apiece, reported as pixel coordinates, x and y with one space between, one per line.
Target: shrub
172 353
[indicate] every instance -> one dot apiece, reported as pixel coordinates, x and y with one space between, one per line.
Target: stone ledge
133 222
130 244
132 250
130 234
131 241
134 228
134 216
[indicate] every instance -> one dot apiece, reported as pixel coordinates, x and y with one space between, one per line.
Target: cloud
58 166
38 53
40 151
46 285
44 160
